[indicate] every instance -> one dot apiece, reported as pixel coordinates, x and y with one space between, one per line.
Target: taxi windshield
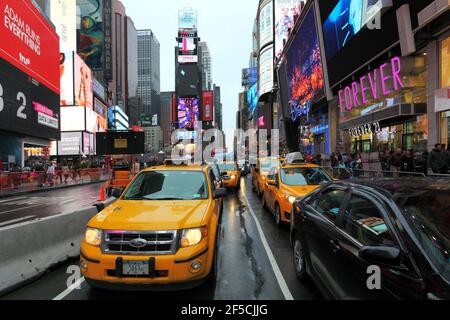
304 176
168 185
269 164
228 167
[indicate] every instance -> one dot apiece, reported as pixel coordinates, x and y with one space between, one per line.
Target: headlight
290 198
233 177
192 237
93 237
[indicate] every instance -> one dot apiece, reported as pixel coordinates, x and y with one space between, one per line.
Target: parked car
381 239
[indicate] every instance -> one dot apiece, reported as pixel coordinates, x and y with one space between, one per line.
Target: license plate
136 268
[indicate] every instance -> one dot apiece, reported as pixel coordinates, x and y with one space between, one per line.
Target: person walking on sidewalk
51 173
396 162
447 153
437 160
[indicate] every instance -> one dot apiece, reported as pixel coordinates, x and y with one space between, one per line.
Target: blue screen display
252 98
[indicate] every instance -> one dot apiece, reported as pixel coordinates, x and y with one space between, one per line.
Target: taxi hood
133 215
299 191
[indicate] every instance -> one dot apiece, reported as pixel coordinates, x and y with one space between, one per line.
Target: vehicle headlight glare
192 237
93 237
291 199
233 177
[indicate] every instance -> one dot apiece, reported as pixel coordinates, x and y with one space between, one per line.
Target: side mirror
272 183
223 174
383 255
117 193
220 193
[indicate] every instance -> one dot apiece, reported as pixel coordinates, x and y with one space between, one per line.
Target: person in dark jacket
437 160
408 162
396 160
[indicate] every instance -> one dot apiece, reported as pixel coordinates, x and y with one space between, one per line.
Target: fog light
83 265
196 266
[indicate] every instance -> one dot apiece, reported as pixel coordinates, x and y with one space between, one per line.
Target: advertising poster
188 80
187 19
208 102
91 32
67 78
84 95
187 47
286 13
249 76
188 113
266 71
304 65
252 98
70 144
63 14
266 24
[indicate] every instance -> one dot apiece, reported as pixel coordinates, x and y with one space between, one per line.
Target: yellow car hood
298 191
133 215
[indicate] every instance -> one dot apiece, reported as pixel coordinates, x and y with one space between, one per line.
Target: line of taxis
162 233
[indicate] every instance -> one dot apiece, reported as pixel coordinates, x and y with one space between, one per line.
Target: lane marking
18 209
13 199
279 276
15 221
69 290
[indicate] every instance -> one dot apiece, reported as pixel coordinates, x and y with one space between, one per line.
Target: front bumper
167 272
230 183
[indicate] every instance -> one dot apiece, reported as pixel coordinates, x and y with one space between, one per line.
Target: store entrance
34 154
319 144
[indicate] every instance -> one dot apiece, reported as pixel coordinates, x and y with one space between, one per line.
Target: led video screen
188 113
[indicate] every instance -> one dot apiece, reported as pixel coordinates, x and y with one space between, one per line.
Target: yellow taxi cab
294 179
231 175
161 234
260 172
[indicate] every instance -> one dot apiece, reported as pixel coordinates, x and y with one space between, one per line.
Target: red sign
137 129
29 42
208 103
43 109
174 108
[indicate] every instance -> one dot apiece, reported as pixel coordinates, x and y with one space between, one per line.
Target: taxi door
271 191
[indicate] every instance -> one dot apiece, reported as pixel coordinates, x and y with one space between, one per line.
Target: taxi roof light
295 158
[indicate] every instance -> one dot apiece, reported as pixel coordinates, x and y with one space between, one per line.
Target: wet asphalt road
39 205
244 273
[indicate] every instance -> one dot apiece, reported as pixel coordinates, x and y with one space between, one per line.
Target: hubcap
298 256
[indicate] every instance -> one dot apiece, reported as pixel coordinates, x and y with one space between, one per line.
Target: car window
228 167
304 176
329 203
364 222
168 185
212 181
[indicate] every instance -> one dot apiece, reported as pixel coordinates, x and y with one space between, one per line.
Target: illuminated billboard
29 71
208 103
188 113
187 19
252 98
346 20
286 13
304 65
266 24
266 71
188 80
187 47
66 78
249 76
73 119
84 95
63 14
70 144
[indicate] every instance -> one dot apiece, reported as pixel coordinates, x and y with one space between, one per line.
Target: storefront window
445 128
445 63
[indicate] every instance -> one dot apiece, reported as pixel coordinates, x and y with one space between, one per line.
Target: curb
21 193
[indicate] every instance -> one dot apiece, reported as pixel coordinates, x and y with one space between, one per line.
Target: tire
277 216
299 258
212 277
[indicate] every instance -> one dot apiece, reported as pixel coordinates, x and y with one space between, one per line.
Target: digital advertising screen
84 95
304 65
118 143
63 14
286 13
91 33
188 113
208 103
249 76
266 24
187 47
67 78
188 80
252 98
187 19
266 71
70 144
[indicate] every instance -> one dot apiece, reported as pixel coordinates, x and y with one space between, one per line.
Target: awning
389 115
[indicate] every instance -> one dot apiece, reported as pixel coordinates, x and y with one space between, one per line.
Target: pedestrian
396 162
437 160
66 172
408 162
447 153
59 173
385 159
51 170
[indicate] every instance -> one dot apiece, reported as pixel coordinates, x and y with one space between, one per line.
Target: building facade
206 66
166 118
149 85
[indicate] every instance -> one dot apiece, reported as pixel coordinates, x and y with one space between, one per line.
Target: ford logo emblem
138 243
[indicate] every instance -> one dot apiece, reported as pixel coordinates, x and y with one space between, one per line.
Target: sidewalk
24 187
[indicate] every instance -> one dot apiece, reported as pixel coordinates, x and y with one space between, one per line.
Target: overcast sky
225 25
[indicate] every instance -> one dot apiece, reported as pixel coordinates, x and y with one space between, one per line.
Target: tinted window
228 167
304 176
364 222
168 185
429 217
329 203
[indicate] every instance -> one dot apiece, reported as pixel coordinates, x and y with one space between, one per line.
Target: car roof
177 168
401 186
299 165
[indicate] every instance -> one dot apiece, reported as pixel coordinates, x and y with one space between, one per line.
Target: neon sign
300 110
349 97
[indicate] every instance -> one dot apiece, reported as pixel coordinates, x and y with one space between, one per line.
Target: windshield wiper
163 199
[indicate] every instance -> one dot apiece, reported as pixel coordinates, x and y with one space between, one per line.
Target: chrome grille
153 242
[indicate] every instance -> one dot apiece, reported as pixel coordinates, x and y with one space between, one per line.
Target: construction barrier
28 250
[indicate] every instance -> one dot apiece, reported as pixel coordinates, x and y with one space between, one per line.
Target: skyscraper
166 117
149 84
205 59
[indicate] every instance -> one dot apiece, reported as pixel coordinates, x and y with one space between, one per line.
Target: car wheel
277 215
212 278
299 258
